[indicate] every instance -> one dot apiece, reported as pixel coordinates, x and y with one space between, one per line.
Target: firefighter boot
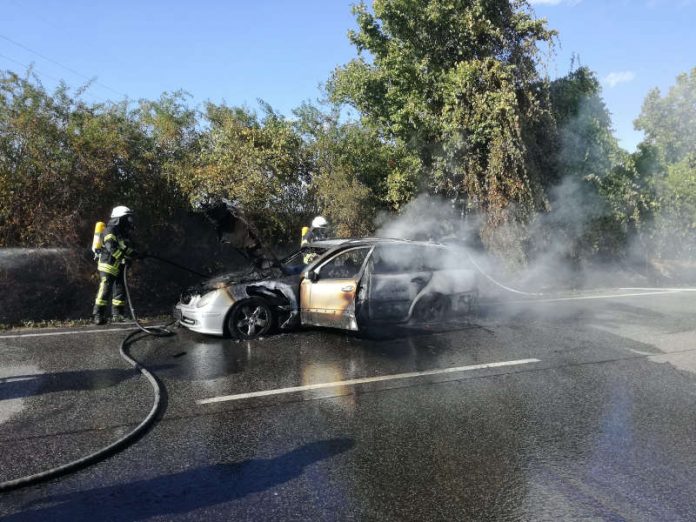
99 315
118 315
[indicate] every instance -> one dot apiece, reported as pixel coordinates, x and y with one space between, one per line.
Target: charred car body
351 284
250 303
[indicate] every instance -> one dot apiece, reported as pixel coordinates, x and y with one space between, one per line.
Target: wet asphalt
601 425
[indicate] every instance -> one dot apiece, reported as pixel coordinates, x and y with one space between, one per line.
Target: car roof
326 243
369 241
343 244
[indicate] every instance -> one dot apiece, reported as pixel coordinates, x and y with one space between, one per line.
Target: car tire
250 319
430 309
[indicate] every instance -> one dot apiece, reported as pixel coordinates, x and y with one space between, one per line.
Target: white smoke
552 266
428 218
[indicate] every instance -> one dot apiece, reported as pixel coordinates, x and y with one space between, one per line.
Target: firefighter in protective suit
317 232
116 250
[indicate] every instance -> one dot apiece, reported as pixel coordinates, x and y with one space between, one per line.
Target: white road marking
666 289
647 354
587 297
353 382
71 332
17 379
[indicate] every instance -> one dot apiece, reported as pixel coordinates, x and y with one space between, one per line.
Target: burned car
356 285
265 289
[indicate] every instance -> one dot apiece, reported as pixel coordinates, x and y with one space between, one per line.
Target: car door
453 276
396 277
327 296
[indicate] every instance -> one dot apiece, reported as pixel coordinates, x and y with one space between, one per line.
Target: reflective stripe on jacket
116 249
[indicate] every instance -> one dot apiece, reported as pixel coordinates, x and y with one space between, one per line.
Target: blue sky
281 50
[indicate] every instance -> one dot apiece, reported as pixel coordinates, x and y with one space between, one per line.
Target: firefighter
317 232
116 250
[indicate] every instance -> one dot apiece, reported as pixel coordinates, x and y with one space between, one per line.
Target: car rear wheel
430 309
250 319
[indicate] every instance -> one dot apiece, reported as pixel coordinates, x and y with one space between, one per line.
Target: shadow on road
20 386
182 492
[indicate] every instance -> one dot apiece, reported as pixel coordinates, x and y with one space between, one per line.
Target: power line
28 67
70 69
35 13
33 69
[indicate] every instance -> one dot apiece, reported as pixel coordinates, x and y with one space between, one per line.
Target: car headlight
206 299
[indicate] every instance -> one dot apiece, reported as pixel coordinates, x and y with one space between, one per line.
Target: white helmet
319 222
121 211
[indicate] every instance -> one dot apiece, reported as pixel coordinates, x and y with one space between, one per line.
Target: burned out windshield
299 257
294 263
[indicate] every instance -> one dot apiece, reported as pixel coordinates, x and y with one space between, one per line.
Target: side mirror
312 276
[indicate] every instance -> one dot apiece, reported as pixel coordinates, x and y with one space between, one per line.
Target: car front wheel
250 319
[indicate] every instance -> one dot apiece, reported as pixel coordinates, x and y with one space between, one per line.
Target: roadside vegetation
451 100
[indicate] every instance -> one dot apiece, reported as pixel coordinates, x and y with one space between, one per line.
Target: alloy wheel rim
252 320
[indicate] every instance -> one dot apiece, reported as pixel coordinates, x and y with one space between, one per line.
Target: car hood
233 228
248 275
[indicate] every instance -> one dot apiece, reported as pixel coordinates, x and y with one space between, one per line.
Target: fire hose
137 432
497 283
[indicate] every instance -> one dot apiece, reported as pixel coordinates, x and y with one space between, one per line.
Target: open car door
328 292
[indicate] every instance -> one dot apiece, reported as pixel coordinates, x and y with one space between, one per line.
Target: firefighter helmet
121 211
320 222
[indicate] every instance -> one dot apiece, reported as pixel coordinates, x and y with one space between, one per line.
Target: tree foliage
669 121
456 81
595 187
586 144
451 102
254 162
64 163
355 172
668 155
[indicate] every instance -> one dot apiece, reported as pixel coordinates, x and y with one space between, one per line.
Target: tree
355 172
668 157
586 144
669 122
598 197
64 163
171 125
256 163
456 81
677 221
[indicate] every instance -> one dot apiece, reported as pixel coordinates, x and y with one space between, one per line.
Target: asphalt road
557 408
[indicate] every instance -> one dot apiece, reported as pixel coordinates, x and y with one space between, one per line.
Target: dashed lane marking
365 380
